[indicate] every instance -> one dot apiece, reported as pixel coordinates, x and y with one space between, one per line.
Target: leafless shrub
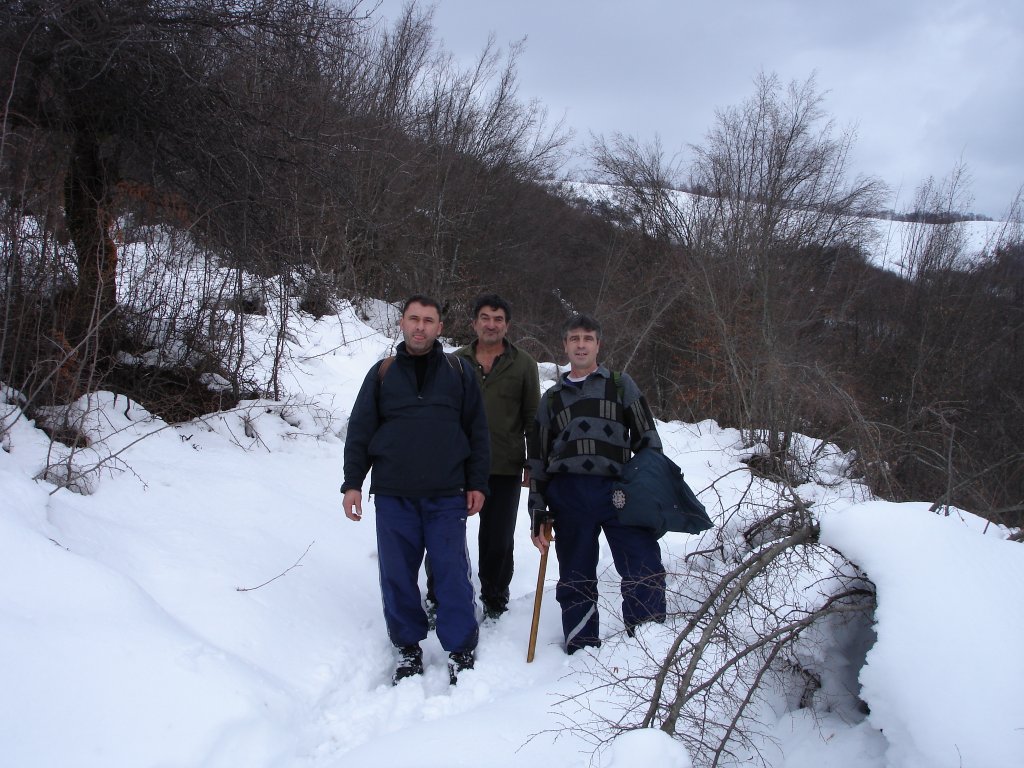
758 605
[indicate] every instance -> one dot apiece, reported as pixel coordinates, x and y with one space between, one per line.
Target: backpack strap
383 369
455 362
615 392
620 389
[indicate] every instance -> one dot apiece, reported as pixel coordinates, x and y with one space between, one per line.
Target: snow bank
944 680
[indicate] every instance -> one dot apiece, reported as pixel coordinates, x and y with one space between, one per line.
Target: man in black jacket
419 422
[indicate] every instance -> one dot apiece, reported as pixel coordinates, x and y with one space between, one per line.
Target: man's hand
541 529
526 478
352 503
474 502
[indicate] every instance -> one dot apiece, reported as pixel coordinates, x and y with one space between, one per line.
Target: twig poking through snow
296 564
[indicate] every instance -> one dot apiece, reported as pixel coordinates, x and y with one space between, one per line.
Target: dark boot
493 609
410 662
459 661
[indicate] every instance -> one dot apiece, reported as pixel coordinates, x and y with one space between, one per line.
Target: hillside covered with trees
284 154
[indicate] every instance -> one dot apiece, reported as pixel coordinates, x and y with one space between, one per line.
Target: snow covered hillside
205 604
888 243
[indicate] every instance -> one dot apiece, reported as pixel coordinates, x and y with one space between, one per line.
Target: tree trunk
90 308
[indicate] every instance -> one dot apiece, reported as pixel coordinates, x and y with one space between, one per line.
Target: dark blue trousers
406 529
496 542
583 509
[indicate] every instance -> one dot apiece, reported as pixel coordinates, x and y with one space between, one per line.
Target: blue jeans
406 529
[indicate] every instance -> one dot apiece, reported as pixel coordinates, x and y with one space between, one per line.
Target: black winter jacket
420 442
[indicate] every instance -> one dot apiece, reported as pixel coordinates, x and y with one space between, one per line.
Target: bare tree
145 93
758 608
754 250
945 359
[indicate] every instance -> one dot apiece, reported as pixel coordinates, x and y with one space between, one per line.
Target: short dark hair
494 301
426 301
584 322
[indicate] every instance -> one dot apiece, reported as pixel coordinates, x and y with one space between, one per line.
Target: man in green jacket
511 389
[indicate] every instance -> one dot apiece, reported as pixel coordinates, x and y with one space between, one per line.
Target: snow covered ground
208 605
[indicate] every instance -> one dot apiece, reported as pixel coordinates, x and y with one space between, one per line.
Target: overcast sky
925 83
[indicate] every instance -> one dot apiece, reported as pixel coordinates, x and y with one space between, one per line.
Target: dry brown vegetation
287 154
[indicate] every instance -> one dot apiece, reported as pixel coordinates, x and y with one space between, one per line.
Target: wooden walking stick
545 531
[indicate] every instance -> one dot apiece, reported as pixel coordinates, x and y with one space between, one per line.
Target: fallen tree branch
296 564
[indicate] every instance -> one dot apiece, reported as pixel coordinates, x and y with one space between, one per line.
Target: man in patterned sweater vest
588 425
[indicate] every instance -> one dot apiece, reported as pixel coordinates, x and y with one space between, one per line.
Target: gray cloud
927 83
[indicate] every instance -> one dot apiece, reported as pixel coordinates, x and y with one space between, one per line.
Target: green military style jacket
511 395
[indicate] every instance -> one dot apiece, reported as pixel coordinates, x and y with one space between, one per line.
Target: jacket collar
436 349
601 371
508 348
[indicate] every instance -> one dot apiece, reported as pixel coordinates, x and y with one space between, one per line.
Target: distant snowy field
890 239
207 605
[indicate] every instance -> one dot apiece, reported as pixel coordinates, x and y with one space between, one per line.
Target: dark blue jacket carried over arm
420 442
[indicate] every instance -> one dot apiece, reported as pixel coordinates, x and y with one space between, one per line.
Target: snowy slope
208 605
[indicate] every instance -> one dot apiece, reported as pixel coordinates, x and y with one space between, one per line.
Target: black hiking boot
493 611
459 661
410 662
